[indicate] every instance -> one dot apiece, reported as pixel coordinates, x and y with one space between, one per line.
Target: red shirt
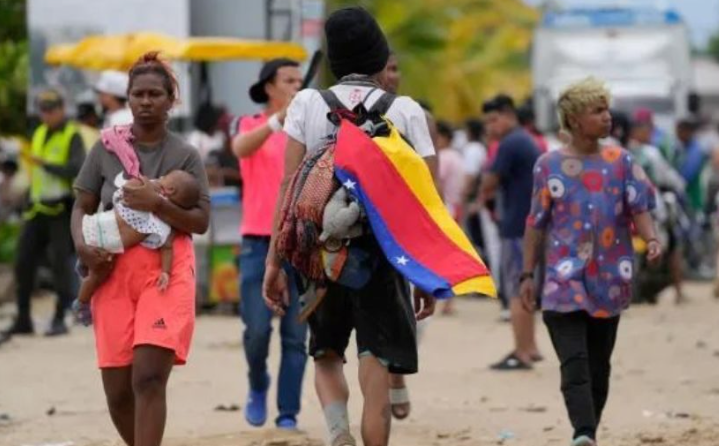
261 177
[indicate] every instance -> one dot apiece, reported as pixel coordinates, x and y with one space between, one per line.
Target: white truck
642 54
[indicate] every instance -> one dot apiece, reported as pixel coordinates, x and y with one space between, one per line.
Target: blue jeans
258 328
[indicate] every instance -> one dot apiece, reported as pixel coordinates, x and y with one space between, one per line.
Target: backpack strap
332 101
383 104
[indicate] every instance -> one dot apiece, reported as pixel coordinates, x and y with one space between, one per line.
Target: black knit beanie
355 43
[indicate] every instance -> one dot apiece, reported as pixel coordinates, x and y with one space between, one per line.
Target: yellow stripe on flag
481 285
416 174
419 179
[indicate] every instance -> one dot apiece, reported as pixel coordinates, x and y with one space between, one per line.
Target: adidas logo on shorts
160 323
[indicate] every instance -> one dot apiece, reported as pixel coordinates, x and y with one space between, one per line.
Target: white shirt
475 155
307 121
205 143
664 173
121 116
451 179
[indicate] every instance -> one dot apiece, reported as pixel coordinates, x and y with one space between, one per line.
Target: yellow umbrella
141 43
119 52
59 54
207 49
100 53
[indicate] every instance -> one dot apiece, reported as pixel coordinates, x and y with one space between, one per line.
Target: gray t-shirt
98 174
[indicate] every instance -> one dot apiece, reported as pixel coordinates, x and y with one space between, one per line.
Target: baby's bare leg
166 254
90 284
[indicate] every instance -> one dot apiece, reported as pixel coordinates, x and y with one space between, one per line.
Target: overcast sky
702 16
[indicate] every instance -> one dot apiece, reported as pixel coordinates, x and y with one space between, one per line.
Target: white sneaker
505 315
583 441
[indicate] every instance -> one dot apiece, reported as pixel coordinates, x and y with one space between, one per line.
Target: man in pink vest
260 146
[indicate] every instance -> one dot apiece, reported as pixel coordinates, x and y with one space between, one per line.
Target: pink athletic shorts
130 310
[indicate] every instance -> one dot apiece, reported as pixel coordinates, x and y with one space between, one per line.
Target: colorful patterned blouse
585 205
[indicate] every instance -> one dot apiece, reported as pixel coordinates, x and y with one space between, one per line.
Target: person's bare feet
448 308
681 298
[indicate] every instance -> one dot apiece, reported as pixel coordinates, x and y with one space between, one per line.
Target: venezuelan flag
407 215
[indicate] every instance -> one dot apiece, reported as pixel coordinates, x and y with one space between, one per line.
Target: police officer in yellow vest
55 160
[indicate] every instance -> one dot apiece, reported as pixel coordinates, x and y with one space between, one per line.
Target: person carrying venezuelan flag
360 217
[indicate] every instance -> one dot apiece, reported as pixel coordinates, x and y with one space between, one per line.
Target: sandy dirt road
665 387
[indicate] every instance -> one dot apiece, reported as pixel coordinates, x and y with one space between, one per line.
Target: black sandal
511 362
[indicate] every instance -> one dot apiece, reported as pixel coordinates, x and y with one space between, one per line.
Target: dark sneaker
256 408
57 328
286 422
22 327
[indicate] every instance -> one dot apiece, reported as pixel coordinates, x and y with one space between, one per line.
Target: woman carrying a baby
138 251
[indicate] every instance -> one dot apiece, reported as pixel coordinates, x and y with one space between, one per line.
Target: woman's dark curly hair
152 63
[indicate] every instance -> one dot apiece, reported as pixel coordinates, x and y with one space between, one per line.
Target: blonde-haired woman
586 199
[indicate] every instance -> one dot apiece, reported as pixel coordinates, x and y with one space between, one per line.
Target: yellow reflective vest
44 186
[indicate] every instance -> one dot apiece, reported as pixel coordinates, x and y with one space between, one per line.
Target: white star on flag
349 184
402 260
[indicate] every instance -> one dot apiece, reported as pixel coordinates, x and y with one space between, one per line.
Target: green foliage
713 46
12 20
14 66
456 53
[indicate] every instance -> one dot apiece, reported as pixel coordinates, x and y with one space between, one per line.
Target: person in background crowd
111 90
207 136
525 115
708 139
489 216
665 178
621 128
589 253
511 174
55 158
452 182
660 171
451 170
391 79
391 76
260 145
475 157
87 124
660 138
10 197
223 167
690 160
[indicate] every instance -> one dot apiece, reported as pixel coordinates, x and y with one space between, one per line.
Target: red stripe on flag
404 215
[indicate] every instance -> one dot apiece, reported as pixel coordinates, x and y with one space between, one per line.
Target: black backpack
370 120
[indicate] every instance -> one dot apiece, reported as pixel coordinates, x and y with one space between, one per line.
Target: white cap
113 82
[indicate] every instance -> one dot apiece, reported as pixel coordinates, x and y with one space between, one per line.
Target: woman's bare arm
146 198
246 144
191 221
93 258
